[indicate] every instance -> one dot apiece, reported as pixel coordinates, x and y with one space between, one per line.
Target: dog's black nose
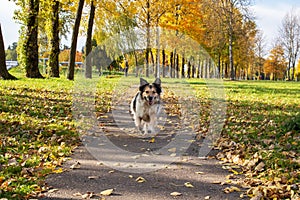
150 98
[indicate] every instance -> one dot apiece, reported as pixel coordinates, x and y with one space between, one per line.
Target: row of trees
222 30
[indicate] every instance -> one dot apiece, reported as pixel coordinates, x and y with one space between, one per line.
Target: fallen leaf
77 194
207 197
107 192
140 179
260 166
111 171
75 165
176 194
93 177
199 172
216 182
52 190
152 140
87 195
188 185
231 189
58 171
172 150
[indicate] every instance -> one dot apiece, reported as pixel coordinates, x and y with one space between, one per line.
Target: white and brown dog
145 106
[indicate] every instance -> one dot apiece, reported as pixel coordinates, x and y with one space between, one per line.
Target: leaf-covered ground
37 132
260 139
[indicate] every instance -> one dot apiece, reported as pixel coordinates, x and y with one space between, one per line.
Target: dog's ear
157 84
143 84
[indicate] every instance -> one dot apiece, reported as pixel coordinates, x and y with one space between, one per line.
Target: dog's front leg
152 123
146 127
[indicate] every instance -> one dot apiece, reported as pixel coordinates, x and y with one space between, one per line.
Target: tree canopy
225 29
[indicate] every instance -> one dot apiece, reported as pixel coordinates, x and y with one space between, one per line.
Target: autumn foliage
275 64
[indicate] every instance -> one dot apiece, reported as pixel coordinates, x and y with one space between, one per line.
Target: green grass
263 119
37 128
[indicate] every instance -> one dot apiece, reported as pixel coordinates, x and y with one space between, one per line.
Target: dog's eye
147 92
154 92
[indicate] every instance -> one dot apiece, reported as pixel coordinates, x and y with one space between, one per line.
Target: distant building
10 64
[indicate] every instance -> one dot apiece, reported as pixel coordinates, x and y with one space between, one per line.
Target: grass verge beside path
261 137
37 131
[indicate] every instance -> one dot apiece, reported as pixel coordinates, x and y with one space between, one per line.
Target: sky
268 16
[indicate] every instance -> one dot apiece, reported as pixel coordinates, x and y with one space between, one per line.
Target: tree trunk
148 38
54 52
182 66
177 66
189 70
152 61
157 72
71 69
31 48
88 44
198 68
136 63
171 65
231 65
163 63
3 70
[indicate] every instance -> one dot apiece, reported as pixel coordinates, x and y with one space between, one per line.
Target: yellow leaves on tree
297 72
64 56
275 64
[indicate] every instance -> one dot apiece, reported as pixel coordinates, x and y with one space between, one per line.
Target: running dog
145 106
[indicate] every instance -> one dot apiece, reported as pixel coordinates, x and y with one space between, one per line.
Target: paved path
115 156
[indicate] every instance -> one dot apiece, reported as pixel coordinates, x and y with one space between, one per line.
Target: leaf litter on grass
255 136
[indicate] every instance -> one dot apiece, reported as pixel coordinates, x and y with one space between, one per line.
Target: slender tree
71 68
88 44
260 52
54 43
290 38
3 70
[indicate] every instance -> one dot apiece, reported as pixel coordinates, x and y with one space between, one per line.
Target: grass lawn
37 130
263 121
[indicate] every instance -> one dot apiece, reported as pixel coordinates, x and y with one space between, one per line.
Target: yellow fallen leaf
207 197
199 172
107 192
59 170
176 194
234 171
152 140
140 179
231 189
188 185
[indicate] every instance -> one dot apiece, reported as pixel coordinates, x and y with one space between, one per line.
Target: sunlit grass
37 128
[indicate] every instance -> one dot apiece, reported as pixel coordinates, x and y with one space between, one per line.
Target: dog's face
150 92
